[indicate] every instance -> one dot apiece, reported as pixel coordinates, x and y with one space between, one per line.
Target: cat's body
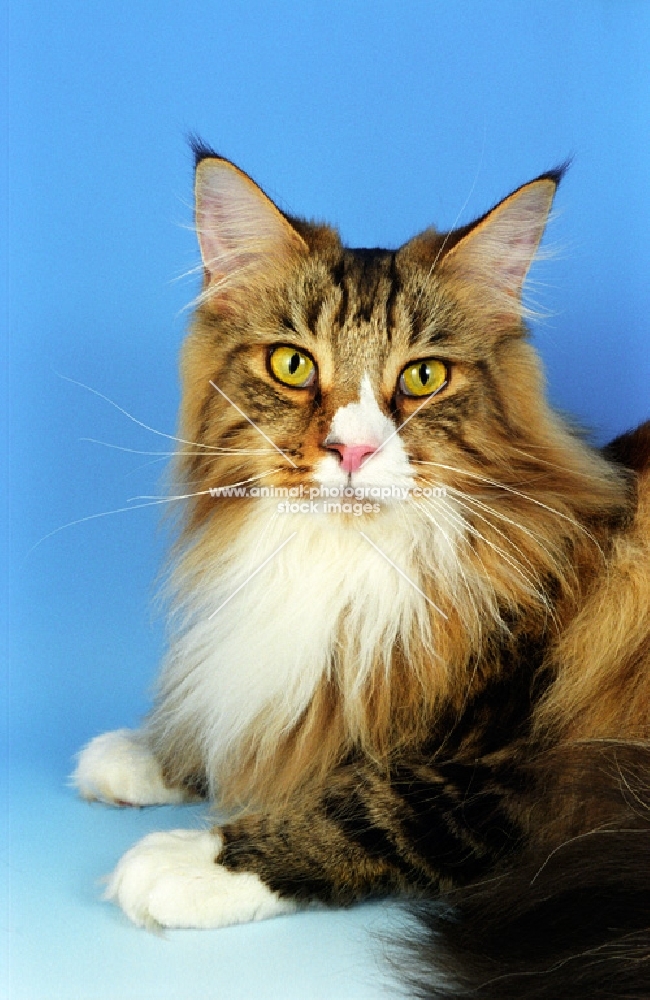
405 696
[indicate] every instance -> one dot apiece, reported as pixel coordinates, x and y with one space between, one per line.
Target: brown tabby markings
449 762
449 693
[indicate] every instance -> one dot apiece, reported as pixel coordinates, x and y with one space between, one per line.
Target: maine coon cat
412 655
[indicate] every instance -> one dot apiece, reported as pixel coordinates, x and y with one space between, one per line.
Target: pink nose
352 455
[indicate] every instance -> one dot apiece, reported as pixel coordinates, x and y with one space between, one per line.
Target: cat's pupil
424 373
294 363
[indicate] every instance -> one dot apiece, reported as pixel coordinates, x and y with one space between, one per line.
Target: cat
409 645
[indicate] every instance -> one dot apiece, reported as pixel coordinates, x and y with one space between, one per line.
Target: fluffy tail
569 922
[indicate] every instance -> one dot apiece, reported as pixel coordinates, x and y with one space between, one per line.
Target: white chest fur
259 655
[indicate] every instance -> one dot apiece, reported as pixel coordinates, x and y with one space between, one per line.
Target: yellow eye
291 367
423 378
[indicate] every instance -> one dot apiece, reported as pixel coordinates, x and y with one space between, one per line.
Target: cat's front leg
325 848
174 879
426 825
120 768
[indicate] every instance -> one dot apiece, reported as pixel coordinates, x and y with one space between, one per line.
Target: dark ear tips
200 149
557 173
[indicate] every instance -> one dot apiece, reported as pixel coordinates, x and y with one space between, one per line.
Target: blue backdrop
379 117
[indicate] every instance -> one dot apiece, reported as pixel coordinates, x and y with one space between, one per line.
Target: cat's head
359 363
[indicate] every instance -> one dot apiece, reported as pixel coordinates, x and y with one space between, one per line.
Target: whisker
214 449
487 578
188 496
532 582
460 212
531 534
401 572
140 423
459 566
143 465
524 496
152 501
470 594
90 517
190 272
508 520
502 517
228 263
559 468
263 534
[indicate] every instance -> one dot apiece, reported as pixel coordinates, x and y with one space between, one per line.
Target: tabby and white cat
441 675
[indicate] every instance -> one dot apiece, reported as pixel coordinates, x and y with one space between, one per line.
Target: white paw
172 880
119 768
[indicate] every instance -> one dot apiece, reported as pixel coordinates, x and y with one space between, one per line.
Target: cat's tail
571 922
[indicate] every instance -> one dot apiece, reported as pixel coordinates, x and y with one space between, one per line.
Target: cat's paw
119 768
173 880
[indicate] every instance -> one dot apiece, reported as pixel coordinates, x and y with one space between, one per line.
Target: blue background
380 117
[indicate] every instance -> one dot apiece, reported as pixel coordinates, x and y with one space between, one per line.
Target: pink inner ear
499 251
237 225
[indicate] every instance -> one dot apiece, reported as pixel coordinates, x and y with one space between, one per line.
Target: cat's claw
173 880
119 768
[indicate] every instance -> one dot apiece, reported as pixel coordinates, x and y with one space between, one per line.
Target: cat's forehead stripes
369 302
366 276
365 284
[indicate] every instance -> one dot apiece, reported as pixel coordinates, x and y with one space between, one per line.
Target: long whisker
253 424
479 622
153 501
559 468
502 517
180 454
92 517
458 494
191 271
401 572
462 532
532 582
459 534
468 500
145 465
199 493
229 264
397 430
459 525
460 212
140 423
524 496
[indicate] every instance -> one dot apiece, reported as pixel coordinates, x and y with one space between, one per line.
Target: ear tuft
200 149
557 173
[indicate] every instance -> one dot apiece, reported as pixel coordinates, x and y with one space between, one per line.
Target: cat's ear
490 260
245 240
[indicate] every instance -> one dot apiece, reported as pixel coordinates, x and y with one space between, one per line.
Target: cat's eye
423 378
292 367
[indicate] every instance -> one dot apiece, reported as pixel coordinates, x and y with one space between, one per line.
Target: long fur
520 523
300 642
565 921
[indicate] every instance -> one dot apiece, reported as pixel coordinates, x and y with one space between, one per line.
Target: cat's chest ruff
297 601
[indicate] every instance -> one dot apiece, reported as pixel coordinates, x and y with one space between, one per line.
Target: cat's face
370 369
